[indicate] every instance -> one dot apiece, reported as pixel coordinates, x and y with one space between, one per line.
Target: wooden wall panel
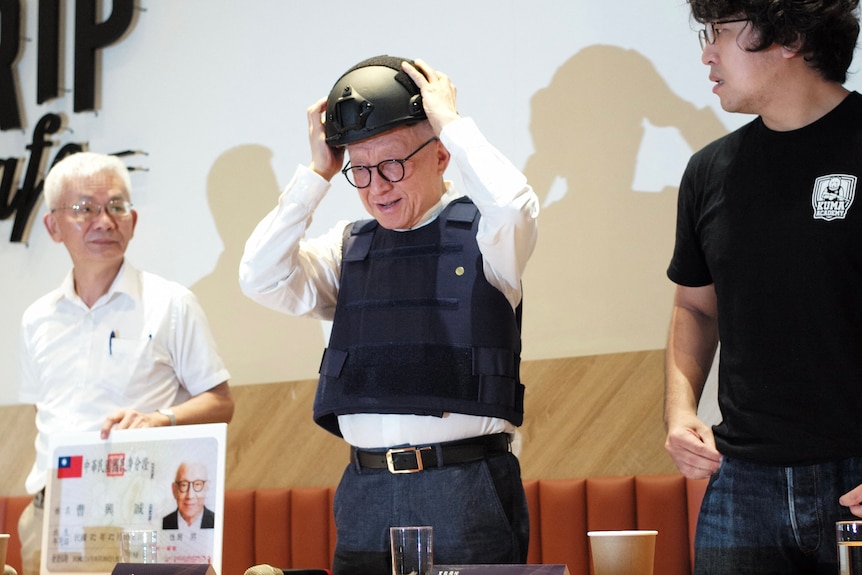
585 416
17 451
594 415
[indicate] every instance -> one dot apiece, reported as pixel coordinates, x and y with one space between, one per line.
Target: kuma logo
832 196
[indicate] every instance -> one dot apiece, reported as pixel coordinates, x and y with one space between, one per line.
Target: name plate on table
98 488
162 569
501 570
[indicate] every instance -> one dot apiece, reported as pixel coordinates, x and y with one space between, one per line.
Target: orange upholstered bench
282 527
563 510
294 528
10 510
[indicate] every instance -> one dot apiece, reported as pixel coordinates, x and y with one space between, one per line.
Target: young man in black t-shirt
767 262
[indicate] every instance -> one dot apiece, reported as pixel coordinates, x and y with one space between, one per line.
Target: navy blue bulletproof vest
418 329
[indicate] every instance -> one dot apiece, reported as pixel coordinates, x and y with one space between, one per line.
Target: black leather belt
418 458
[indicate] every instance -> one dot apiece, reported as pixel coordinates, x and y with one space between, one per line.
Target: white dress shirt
146 344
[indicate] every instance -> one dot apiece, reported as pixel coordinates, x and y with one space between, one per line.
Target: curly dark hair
826 30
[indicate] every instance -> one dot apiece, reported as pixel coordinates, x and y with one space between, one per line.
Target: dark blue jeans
478 512
761 519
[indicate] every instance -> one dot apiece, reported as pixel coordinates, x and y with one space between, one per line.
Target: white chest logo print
832 196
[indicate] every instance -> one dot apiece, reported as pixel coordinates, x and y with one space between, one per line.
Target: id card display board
149 479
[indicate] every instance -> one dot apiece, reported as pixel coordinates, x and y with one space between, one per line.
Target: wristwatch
169 413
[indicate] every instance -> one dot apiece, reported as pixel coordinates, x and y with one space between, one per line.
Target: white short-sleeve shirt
146 344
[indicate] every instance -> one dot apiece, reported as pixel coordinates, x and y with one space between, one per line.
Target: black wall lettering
10 48
23 201
10 169
23 218
48 56
90 36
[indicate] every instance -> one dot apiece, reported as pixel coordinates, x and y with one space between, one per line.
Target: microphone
264 569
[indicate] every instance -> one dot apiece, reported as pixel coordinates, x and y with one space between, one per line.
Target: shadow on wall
257 344
596 282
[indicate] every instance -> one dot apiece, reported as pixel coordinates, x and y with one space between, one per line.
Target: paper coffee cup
622 552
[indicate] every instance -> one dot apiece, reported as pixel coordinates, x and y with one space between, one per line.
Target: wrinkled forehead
394 144
104 183
191 472
400 135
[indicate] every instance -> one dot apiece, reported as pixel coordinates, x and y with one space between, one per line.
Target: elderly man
112 347
421 375
190 490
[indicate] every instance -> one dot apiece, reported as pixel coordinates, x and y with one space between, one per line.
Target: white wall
196 79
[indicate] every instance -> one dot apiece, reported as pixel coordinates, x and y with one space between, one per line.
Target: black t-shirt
772 220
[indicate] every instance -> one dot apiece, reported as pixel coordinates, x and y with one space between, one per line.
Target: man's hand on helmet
438 93
325 159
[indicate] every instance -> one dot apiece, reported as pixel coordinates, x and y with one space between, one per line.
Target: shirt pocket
126 371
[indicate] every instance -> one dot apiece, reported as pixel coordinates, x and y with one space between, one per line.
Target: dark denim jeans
761 519
478 512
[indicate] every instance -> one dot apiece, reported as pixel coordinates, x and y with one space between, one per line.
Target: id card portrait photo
168 479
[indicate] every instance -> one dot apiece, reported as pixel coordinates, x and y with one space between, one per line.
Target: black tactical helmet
374 96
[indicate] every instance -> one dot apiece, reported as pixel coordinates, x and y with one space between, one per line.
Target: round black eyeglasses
390 170
197 485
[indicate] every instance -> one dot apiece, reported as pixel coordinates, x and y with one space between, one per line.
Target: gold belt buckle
390 464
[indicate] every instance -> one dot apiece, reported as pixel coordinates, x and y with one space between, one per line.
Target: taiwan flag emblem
70 466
